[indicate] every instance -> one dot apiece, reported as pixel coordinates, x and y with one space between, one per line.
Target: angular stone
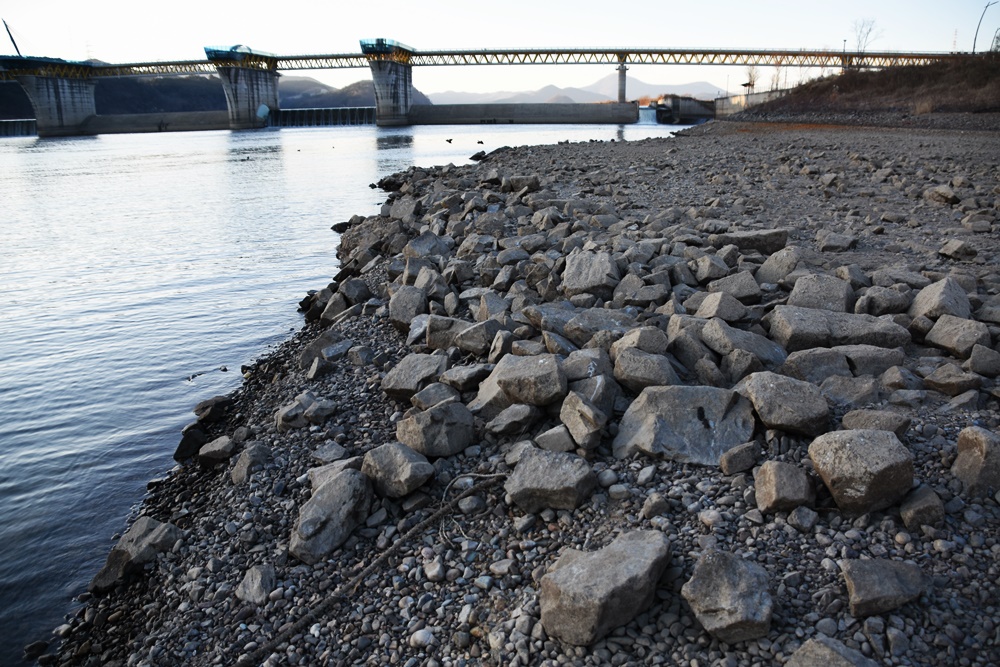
709 267
741 286
413 373
823 651
254 455
978 462
870 359
635 370
922 507
588 363
797 328
983 361
466 378
536 380
444 430
730 597
850 392
442 331
257 584
879 586
957 250
951 380
584 421
396 470
945 297
140 544
865 470
782 487
958 335
785 403
585 324
586 595
723 339
824 292
327 519
590 273
514 420
687 424
740 458
556 439
404 305
647 339
434 393
216 451
816 365
882 301
723 306
776 267
765 241
879 420
556 480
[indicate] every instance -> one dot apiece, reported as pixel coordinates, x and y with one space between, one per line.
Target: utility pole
988 5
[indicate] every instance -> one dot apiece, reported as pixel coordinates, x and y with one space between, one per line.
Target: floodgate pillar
60 92
250 82
392 75
621 79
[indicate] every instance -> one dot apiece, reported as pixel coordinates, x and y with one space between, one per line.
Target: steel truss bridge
12 67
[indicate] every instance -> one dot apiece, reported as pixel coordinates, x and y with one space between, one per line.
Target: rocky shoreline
727 398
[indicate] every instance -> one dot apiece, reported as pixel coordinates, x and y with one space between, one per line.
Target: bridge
62 92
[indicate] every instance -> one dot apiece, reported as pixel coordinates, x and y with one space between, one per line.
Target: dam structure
62 92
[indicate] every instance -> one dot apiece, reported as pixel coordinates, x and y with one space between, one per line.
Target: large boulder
821 291
635 369
879 586
958 335
865 470
327 519
590 273
797 328
140 544
396 470
785 403
764 241
945 297
687 424
556 480
534 380
723 339
782 487
404 305
413 373
586 595
445 429
978 462
730 597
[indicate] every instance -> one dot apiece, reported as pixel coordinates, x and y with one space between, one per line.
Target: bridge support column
61 104
392 75
621 82
250 82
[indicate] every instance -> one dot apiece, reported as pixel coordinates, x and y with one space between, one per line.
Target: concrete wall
727 106
490 114
246 89
60 105
185 121
393 91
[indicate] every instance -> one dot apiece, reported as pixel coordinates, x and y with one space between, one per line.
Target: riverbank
633 234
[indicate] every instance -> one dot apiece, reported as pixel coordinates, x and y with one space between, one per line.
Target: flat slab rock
730 597
556 480
865 469
586 595
828 652
879 586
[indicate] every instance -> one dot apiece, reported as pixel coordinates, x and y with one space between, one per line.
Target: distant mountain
302 92
603 90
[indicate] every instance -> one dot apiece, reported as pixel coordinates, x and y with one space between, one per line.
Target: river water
136 269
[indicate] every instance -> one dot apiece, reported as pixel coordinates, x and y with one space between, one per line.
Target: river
138 273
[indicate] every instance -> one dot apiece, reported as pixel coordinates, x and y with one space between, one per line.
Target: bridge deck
11 67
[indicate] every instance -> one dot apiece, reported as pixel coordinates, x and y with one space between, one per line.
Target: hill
301 92
967 85
603 90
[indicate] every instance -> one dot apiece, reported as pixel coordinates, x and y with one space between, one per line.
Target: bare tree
864 34
776 77
752 76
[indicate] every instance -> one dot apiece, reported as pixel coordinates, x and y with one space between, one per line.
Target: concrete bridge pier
250 82
621 83
392 75
61 104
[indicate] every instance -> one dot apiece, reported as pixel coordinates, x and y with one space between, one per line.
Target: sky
122 31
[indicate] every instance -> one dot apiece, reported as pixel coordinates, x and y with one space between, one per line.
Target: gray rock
254 455
765 241
828 652
865 470
951 380
850 392
585 324
785 403
740 458
879 586
434 393
646 339
687 424
140 544
776 267
443 331
590 273
730 597
535 380
782 487
824 292
445 429
395 470
465 378
478 338
514 420
816 365
257 585
723 339
413 373
584 421
723 306
404 305
879 420
882 301
327 519
958 335
922 507
978 462
588 363
741 286
216 451
945 297
556 480
957 250
797 328
586 595
870 359
709 267
983 361
556 439
635 370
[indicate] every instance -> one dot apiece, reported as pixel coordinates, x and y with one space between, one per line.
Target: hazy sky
121 31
